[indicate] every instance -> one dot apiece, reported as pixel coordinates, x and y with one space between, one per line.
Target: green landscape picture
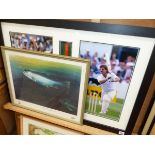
50 84
35 130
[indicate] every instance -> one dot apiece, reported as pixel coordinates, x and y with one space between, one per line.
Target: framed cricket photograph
50 84
31 126
118 66
110 75
121 69
31 42
119 62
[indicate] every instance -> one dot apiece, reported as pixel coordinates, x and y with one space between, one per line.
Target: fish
44 81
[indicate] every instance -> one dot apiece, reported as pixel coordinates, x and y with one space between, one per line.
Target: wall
132 22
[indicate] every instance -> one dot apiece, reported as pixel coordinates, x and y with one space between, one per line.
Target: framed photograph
50 84
120 60
105 101
65 48
31 126
128 53
115 77
31 42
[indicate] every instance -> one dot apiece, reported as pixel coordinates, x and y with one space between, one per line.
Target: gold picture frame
50 84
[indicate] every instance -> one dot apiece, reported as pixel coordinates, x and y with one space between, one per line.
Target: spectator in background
87 55
128 73
94 66
129 59
49 46
114 68
114 60
121 70
95 57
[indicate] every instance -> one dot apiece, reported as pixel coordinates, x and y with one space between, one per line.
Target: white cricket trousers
106 99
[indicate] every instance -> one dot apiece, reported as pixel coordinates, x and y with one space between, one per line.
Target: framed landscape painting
127 52
54 85
31 126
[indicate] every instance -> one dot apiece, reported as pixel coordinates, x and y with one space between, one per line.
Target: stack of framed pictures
59 82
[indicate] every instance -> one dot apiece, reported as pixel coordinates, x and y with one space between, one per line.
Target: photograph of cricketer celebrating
110 75
107 82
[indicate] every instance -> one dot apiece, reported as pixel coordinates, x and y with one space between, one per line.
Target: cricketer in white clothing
107 81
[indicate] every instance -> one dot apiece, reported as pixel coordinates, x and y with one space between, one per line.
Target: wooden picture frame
58 83
129 36
32 126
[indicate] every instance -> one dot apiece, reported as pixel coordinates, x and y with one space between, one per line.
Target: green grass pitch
113 113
